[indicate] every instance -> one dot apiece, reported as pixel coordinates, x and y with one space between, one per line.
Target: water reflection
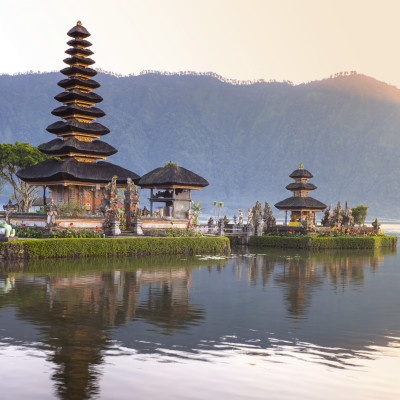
195 309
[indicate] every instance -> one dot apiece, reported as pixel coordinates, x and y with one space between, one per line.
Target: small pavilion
171 186
301 206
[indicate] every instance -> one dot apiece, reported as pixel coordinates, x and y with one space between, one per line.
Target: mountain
244 139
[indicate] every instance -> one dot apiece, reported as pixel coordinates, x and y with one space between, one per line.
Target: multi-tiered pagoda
73 172
302 206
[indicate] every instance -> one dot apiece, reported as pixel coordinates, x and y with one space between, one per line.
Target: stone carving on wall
109 207
131 203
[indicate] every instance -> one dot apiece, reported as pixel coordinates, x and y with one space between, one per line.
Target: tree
197 209
14 157
359 214
215 203
220 205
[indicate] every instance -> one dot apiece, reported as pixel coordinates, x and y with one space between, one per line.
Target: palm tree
215 203
197 209
220 205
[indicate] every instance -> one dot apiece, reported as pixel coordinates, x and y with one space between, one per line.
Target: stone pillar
250 229
110 208
221 227
137 227
115 231
260 226
137 222
131 203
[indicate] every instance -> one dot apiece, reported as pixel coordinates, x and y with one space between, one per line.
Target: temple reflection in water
83 308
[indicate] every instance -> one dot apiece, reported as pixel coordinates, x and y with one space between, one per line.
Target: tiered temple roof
300 188
75 151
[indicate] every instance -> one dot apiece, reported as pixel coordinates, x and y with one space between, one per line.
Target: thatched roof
78 60
300 186
77 95
74 109
301 173
294 203
72 170
77 69
73 125
76 51
79 42
78 31
59 146
38 202
74 81
172 176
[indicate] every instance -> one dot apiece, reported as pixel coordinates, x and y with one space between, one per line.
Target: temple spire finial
79 23
301 165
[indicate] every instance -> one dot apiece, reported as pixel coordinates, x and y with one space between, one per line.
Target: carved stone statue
376 224
257 211
110 208
249 216
348 219
146 212
9 209
131 203
51 210
138 213
328 217
338 216
257 215
240 216
269 219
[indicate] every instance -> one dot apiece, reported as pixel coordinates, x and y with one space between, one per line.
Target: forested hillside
244 139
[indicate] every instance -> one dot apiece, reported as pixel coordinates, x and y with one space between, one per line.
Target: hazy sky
298 40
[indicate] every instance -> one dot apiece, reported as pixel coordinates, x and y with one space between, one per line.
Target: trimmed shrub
296 242
234 240
317 243
46 248
73 233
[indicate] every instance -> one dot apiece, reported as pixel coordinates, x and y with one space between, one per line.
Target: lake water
273 324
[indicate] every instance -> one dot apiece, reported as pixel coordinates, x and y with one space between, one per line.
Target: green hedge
316 243
46 248
300 242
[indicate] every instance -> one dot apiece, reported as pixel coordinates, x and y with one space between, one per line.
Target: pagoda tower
302 206
73 172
